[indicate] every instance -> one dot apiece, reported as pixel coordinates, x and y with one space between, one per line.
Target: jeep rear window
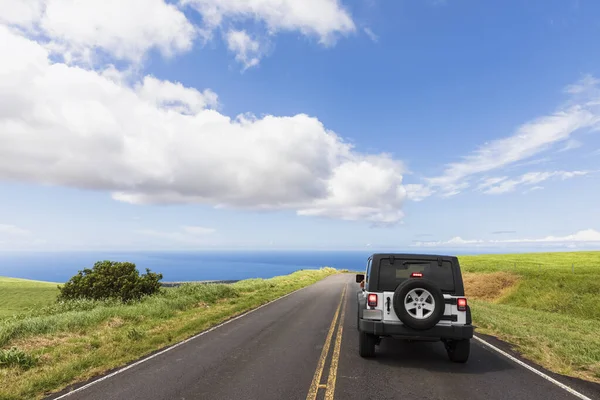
391 275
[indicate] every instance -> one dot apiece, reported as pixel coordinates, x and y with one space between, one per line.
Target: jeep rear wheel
419 303
458 350
366 344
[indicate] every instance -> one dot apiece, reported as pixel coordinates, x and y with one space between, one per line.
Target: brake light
416 275
372 300
461 304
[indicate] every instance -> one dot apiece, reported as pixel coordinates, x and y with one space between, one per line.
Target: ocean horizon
59 266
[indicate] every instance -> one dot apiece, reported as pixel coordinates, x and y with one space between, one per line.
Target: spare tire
419 303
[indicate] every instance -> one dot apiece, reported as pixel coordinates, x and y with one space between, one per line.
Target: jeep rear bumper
442 332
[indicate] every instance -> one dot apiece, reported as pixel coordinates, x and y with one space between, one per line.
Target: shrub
110 279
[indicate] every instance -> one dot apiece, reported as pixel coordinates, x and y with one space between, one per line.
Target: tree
111 279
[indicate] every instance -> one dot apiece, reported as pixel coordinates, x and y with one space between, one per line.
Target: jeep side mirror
360 278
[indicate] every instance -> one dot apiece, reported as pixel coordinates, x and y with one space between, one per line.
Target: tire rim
419 303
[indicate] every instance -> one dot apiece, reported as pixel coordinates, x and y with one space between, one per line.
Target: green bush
14 357
108 280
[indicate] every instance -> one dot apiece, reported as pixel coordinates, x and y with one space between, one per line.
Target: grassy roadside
546 305
63 344
563 344
17 295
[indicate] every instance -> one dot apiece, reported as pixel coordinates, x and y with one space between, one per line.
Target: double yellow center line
330 385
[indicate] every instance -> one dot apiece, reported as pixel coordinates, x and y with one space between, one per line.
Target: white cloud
371 35
529 139
585 84
124 29
488 182
247 50
83 34
154 142
362 188
459 241
533 189
453 189
417 192
456 241
191 235
23 13
325 19
198 230
13 237
12 230
504 185
584 237
571 145
174 96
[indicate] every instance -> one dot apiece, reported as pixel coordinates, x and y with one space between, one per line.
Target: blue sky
201 124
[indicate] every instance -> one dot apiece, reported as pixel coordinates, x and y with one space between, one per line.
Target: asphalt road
295 349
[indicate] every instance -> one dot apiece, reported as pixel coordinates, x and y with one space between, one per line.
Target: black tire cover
404 316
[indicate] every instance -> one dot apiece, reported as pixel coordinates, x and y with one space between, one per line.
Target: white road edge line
535 371
79 389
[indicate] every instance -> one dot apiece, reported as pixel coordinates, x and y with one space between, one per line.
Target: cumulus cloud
528 140
124 29
174 96
23 13
589 237
325 19
247 50
127 30
362 188
159 142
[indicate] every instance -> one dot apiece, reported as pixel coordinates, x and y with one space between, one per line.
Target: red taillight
372 300
416 275
461 304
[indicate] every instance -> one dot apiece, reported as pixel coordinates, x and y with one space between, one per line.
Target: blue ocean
180 266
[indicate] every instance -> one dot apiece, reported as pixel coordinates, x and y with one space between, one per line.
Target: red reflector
372 300
416 275
462 304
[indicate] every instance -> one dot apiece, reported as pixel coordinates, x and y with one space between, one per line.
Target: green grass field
18 295
550 311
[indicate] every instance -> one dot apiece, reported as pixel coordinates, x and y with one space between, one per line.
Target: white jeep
414 297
